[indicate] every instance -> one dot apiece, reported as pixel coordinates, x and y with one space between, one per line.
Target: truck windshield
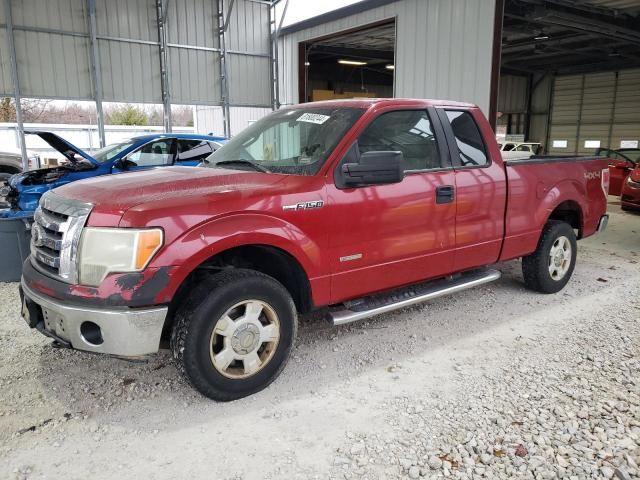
291 141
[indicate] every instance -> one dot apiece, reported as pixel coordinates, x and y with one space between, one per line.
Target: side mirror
375 168
120 164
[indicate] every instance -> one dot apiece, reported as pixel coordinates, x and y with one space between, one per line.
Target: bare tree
182 115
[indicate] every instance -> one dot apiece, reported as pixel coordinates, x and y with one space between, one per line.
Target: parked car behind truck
11 163
361 206
22 192
621 163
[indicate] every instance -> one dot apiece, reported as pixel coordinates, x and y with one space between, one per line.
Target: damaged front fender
153 286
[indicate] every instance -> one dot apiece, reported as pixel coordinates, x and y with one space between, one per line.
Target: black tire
196 319
535 267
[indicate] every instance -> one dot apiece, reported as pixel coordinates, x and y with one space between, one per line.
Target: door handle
444 194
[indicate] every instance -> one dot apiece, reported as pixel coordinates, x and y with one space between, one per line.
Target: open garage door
570 74
354 63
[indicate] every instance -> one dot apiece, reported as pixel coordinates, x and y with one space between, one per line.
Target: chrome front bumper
123 332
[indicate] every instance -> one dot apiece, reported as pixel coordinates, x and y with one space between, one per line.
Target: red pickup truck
360 206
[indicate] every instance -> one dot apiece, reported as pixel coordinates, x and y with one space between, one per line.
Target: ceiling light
356 63
390 67
307 63
541 37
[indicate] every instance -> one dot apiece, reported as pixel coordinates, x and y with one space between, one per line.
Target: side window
193 150
524 148
407 131
508 147
153 154
468 138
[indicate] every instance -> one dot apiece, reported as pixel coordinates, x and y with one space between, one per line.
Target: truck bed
536 185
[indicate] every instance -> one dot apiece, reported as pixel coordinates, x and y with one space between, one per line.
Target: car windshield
107 153
294 141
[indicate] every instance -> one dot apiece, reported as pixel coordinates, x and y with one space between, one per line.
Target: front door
156 153
383 236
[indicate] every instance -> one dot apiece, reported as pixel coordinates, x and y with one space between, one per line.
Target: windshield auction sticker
313 118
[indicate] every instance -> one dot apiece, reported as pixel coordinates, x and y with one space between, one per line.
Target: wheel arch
271 260
571 212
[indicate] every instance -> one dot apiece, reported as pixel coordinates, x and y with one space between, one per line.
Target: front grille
46 238
55 235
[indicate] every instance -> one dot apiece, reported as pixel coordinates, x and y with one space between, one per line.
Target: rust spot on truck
147 292
129 281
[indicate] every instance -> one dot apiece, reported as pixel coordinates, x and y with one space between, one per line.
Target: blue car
23 190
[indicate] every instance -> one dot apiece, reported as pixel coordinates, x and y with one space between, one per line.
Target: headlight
109 250
631 183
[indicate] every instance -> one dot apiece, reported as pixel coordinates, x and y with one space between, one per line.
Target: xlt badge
304 205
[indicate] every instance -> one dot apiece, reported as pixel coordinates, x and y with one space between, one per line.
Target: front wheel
234 333
550 267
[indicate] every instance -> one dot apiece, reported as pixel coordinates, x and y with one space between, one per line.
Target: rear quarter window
468 139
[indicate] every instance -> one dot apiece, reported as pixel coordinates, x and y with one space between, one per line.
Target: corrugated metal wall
52 42
597 107
443 48
539 114
512 97
210 119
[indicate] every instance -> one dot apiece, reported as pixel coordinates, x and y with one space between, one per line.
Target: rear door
384 236
480 186
190 152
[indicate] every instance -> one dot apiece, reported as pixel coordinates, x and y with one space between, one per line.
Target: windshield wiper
255 166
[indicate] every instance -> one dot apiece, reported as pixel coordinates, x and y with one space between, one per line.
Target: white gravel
497 382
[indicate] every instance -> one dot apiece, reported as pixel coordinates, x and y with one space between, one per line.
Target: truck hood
112 195
59 144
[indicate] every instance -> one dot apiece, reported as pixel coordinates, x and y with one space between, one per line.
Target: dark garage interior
355 63
567 73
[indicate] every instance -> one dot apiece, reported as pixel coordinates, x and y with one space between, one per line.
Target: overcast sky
302 9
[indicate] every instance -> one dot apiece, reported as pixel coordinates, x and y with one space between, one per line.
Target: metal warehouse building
562 73
559 72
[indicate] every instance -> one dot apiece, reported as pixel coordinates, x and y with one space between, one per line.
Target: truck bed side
540 188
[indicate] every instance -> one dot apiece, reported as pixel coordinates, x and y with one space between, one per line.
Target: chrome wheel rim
244 339
559 258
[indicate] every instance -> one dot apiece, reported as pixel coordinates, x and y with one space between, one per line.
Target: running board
404 297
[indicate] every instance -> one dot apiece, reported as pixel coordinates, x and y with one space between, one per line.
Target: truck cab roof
366 103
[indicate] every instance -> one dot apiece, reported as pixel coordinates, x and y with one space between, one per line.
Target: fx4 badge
303 206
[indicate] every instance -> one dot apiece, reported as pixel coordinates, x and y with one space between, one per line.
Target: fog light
91 333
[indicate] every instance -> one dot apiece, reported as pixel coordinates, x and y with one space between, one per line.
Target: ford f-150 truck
359 206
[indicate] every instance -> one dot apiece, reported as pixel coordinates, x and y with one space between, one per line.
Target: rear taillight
604 181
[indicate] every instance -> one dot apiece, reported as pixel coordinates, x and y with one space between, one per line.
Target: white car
514 150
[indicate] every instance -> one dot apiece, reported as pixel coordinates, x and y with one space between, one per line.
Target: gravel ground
497 382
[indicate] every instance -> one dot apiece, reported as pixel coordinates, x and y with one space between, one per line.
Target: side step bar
377 304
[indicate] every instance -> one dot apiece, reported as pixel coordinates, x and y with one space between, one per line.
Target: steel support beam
164 72
96 78
224 71
276 60
272 55
16 83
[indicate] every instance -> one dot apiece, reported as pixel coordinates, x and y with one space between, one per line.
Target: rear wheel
550 267
234 333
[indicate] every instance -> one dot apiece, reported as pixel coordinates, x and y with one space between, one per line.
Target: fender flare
208 239
564 191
